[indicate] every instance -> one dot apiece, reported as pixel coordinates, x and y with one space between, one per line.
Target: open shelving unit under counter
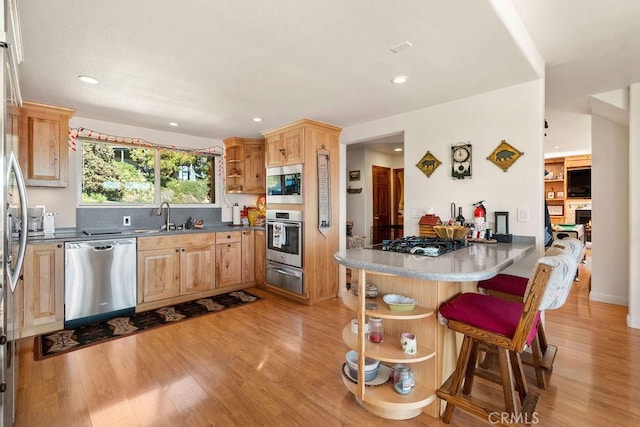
383 400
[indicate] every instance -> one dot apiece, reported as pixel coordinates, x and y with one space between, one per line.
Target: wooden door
43 284
228 265
248 256
381 206
398 200
158 274
197 269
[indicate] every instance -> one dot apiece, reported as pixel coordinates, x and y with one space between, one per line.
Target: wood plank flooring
277 363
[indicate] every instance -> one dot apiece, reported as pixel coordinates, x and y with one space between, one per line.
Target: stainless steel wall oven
284 250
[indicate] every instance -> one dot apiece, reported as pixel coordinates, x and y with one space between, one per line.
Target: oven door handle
285 272
286 224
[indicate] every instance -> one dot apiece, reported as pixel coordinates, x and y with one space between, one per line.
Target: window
121 174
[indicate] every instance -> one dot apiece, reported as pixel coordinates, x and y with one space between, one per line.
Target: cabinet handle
59 245
283 151
177 249
183 250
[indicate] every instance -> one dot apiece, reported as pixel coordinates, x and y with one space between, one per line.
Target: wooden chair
542 354
507 327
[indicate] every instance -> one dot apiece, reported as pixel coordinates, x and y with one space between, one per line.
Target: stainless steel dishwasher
100 280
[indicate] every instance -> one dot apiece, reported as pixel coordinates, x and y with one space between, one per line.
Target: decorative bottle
460 218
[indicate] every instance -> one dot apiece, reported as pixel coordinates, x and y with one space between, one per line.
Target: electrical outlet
415 212
126 220
523 214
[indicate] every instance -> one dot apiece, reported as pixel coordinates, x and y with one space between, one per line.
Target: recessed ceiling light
397 149
174 124
399 79
88 79
257 119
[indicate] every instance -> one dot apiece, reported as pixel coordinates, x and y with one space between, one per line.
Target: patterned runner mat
67 340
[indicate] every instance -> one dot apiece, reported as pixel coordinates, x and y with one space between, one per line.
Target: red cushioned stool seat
505 283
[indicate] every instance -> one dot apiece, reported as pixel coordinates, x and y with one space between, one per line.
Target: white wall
610 217
515 114
633 318
63 201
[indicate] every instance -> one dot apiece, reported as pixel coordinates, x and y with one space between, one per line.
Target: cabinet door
248 256
43 280
275 151
197 269
254 170
228 263
260 256
158 274
43 140
293 142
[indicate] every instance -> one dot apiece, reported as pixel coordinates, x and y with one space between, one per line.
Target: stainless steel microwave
284 184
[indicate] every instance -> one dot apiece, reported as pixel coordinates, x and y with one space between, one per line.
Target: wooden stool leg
511 402
456 378
518 375
536 355
471 368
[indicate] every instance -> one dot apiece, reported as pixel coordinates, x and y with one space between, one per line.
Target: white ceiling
212 66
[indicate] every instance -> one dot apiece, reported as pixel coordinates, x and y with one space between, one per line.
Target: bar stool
513 288
507 327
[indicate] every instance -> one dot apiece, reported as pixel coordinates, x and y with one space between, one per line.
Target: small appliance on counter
49 225
35 218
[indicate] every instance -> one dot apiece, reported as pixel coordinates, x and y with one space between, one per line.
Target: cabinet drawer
177 240
228 236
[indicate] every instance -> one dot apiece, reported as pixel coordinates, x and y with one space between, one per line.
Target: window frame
217 180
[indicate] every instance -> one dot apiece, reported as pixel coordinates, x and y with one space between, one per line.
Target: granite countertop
478 261
72 234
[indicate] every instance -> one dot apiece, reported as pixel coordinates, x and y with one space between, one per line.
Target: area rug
67 340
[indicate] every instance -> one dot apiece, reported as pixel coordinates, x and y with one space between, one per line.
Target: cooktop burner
429 246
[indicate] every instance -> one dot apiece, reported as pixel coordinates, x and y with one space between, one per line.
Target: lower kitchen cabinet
175 265
248 256
228 258
42 289
260 256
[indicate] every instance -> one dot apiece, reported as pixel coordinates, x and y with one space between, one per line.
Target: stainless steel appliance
284 250
284 184
13 205
99 280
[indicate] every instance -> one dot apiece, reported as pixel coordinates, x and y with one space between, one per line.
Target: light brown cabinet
43 144
245 165
42 289
285 148
299 143
555 186
171 266
248 256
228 258
260 256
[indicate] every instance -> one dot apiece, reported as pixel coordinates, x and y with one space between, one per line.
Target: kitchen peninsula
430 281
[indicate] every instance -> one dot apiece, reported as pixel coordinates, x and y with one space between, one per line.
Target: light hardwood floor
275 363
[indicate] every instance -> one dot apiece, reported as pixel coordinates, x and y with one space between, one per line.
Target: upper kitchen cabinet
43 144
245 169
285 147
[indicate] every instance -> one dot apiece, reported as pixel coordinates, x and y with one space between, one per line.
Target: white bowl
370 364
399 302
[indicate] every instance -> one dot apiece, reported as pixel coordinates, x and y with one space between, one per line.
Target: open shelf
386 351
383 311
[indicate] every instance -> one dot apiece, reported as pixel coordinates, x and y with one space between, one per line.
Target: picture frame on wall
354 175
556 210
560 194
550 195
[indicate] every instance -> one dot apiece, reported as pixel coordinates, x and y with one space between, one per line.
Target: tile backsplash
142 218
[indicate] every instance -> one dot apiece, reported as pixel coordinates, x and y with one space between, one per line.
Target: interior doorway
381 203
397 188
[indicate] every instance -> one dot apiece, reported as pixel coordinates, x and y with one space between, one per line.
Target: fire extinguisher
480 211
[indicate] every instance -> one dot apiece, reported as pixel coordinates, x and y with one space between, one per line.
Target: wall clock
461 160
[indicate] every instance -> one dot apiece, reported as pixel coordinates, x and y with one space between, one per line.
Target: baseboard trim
633 323
609 299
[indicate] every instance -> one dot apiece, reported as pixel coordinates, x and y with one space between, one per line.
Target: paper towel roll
236 215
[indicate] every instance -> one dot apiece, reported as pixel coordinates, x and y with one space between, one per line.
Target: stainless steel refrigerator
13 208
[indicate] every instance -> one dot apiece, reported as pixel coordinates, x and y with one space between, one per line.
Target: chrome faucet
159 212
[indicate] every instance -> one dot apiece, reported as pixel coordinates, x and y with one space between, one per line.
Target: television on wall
579 183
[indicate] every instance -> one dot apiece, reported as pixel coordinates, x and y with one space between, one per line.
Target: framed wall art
556 210
505 155
428 164
354 175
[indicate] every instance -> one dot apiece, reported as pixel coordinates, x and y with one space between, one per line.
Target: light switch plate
523 214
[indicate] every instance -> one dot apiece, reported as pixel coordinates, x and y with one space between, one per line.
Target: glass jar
376 331
402 380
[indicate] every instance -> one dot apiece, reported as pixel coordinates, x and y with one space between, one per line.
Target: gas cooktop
429 246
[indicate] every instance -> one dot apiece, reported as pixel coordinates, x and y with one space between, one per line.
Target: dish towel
279 235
